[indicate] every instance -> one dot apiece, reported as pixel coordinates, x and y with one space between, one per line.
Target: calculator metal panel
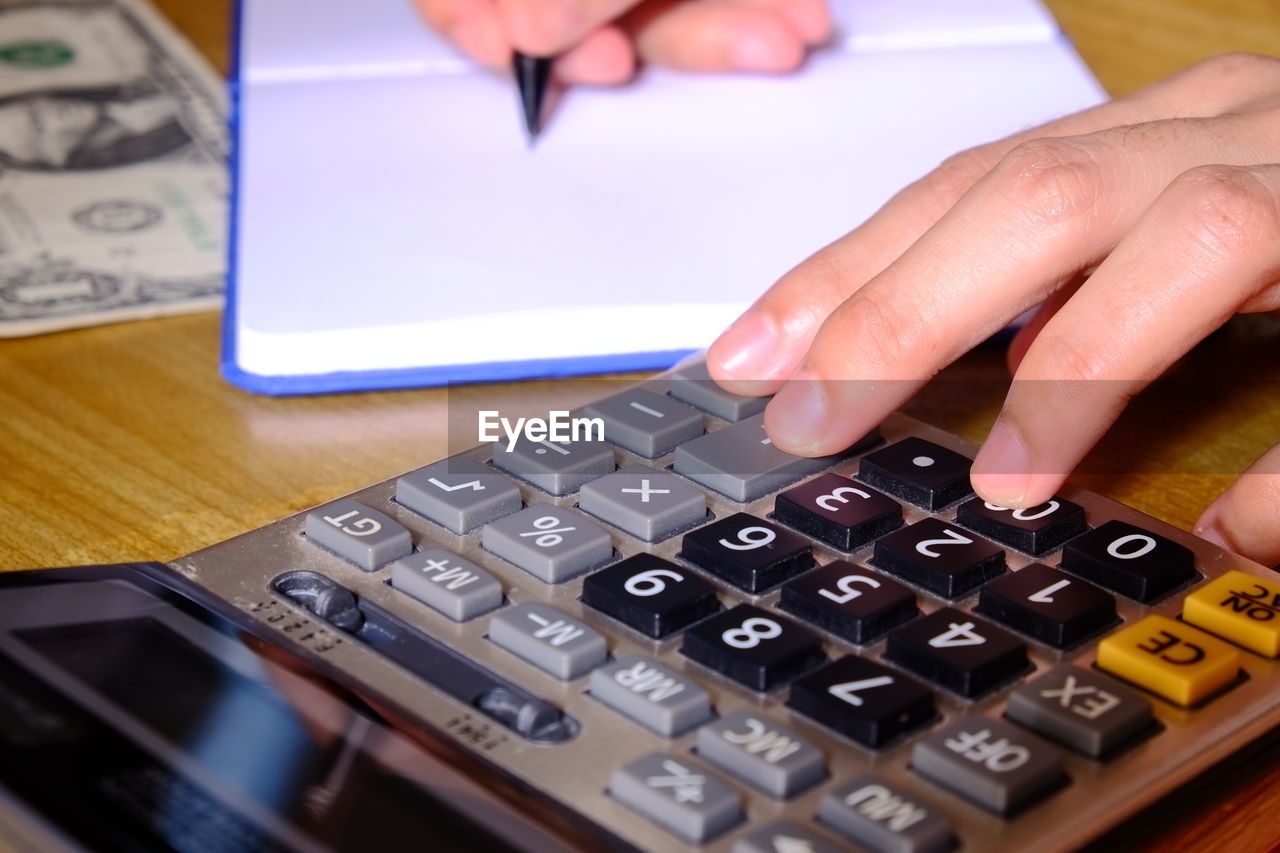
577 772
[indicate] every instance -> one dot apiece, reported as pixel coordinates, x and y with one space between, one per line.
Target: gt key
748 552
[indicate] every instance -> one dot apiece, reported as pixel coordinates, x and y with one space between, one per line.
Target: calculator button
555 467
694 385
741 463
958 651
646 503
651 694
1240 607
885 818
1129 560
445 582
548 542
1047 604
862 700
918 471
548 639
357 533
753 646
646 423
651 595
940 557
1170 658
1081 709
761 753
676 795
855 603
990 762
748 552
783 837
458 494
1035 530
838 511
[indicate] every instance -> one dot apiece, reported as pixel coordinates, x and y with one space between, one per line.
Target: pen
532 74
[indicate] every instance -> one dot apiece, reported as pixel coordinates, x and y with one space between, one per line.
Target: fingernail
800 415
1004 467
1211 533
748 350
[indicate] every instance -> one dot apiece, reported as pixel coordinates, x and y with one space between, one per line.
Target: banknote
113 167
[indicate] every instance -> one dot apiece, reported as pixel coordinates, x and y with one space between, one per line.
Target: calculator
665 636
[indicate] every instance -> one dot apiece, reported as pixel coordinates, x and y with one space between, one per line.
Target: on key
940 557
856 603
650 594
1129 560
863 700
1035 530
748 552
838 511
1047 604
753 647
921 472
958 651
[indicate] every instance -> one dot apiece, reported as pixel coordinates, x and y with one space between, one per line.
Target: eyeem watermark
558 427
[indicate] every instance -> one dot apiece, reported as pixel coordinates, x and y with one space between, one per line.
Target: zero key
1129 560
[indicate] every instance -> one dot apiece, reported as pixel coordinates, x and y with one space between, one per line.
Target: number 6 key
748 552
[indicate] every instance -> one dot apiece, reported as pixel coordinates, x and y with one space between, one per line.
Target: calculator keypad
646 423
1035 530
648 504
1126 559
884 817
748 552
753 646
555 467
551 543
458 494
677 795
444 581
857 604
651 694
355 532
549 639
1082 710
1048 605
838 511
652 595
942 558
957 651
920 472
765 755
863 700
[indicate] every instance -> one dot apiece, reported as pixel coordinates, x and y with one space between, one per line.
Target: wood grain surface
123 443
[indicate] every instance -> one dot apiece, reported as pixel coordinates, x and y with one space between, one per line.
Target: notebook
393 228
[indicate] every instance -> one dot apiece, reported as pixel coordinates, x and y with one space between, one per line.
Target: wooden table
122 443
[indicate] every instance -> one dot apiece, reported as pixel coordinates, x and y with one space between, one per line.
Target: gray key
357 533
549 639
694 385
677 795
558 468
1082 709
548 542
885 818
990 762
741 463
651 694
646 423
761 753
443 581
458 494
783 837
646 503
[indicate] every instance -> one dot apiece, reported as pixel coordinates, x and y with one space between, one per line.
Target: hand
601 41
1138 227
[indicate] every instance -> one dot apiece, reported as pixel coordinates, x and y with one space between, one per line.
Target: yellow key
1170 658
1243 608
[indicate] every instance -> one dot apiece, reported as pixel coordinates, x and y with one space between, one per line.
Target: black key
748 552
940 557
958 651
838 511
649 594
1036 530
1047 604
856 603
921 472
1129 560
753 646
863 700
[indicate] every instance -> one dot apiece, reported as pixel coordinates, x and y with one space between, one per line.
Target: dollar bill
113 167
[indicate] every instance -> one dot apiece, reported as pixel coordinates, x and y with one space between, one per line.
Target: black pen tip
532 75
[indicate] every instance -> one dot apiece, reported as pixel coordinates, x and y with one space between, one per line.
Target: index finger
549 27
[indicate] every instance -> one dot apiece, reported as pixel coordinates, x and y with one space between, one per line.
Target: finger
604 57
1243 518
550 27
1209 245
766 345
716 35
1036 322
811 19
472 25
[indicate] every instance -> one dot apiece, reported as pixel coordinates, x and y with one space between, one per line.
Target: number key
940 557
753 646
838 511
1035 530
863 700
958 651
357 533
858 604
748 552
1129 560
651 595
1048 604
